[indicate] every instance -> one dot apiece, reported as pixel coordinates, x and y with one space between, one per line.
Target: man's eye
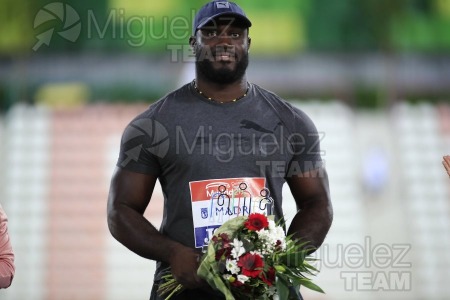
211 33
235 35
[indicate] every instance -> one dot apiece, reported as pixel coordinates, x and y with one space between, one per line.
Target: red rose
251 264
237 283
223 253
256 222
269 276
225 240
222 239
278 245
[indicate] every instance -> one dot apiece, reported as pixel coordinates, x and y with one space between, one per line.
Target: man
6 253
214 136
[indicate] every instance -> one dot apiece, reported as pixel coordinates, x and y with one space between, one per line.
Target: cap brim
239 19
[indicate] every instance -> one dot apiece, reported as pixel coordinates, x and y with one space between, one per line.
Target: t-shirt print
215 201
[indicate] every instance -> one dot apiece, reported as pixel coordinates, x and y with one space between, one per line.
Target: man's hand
184 263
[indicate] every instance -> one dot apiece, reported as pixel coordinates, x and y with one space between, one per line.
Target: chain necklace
217 101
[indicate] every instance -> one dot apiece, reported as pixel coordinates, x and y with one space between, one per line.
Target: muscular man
214 135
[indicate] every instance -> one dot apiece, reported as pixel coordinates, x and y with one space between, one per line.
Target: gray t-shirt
216 161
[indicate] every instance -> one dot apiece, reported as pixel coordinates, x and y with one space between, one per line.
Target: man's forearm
137 234
312 223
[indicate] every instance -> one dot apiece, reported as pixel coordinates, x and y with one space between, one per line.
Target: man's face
221 51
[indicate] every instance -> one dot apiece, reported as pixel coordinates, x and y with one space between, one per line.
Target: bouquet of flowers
249 257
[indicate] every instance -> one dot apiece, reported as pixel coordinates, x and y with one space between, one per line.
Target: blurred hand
446 163
184 263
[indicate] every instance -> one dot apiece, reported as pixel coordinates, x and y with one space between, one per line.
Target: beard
223 75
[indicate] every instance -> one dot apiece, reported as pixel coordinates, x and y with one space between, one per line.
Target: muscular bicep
310 188
315 212
129 196
130 189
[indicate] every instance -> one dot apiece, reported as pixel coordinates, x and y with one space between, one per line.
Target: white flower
271 224
263 234
256 252
232 266
273 235
242 278
271 291
238 248
278 233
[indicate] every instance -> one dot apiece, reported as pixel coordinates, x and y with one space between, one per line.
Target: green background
288 26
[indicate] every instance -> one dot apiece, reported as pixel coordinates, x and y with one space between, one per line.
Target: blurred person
7 267
446 163
217 128
375 170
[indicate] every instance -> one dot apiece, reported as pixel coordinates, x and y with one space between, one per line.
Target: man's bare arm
128 198
315 212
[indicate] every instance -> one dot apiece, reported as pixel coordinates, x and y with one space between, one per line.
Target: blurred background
374 75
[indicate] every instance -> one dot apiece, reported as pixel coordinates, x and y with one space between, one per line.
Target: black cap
215 9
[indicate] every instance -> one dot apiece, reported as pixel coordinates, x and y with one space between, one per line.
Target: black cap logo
222 5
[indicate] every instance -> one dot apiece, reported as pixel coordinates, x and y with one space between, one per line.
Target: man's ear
193 43
249 41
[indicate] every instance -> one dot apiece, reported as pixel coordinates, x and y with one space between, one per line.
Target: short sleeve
305 145
142 146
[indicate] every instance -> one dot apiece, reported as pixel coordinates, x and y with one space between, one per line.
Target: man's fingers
184 263
199 280
194 282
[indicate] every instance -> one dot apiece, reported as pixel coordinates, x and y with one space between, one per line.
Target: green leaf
231 226
209 271
310 267
248 245
310 285
282 287
293 258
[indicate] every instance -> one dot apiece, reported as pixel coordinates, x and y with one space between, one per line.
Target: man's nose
224 39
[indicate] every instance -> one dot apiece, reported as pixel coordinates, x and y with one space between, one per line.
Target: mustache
221 50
